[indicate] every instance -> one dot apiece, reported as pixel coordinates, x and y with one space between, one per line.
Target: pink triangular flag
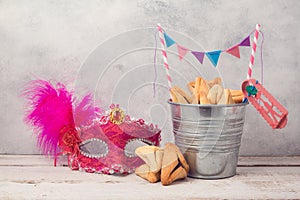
181 51
199 56
235 51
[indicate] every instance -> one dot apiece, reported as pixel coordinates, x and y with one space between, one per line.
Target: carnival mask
95 141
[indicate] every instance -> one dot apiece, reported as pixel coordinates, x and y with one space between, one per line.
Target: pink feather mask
49 111
93 140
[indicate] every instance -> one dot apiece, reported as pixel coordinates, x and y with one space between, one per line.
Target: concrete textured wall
107 47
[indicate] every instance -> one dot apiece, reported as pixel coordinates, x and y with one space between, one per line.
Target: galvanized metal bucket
209 136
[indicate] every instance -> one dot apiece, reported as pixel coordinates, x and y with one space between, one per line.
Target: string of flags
213 56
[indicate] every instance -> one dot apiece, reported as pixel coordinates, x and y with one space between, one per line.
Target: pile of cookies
206 92
166 165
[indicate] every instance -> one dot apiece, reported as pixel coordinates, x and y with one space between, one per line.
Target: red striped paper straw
164 54
252 56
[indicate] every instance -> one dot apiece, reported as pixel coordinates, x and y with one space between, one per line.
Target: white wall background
52 39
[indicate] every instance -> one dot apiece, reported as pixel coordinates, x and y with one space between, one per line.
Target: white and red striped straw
252 56
164 54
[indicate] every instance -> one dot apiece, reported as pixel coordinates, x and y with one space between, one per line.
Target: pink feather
85 111
50 109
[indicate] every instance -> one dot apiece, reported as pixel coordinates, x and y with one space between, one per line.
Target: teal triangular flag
169 40
213 56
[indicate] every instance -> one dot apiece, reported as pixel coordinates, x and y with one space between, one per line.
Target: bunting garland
246 42
169 40
213 56
199 56
181 51
235 51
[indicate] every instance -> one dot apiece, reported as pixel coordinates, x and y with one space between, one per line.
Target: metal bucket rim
208 105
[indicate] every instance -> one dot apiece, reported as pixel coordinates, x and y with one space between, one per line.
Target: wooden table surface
34 177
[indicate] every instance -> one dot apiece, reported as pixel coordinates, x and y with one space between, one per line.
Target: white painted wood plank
30 160
269 161
38 179
40 160
44 182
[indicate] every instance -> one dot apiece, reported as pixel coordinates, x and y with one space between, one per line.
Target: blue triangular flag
213 56
169 40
